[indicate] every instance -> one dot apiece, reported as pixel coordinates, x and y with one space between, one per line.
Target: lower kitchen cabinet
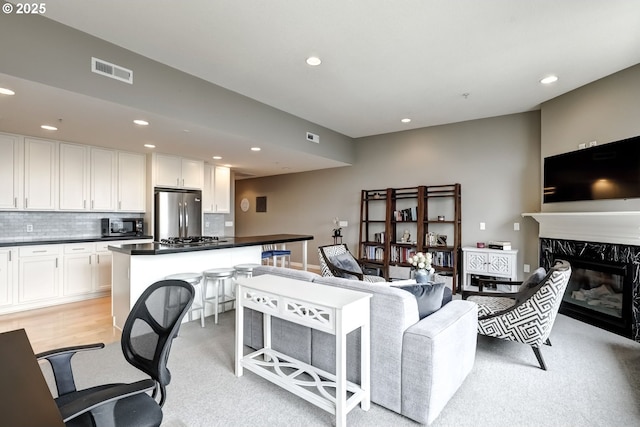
7 263
44 275
38 273
78 269
102 268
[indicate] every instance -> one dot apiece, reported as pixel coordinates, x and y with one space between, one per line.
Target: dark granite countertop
224 243
50 241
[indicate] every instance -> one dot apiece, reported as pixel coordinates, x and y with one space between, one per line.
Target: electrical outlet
527 268
29 228
582 145
228 223
482 226
516 226
593 143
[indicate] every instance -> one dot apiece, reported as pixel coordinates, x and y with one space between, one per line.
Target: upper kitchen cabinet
74 177
40 180
103 179
216 195
177 172
11 171
131 182
222 189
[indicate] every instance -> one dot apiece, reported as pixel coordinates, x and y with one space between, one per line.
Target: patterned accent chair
337 261
528 316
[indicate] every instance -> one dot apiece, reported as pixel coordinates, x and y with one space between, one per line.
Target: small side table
333 310
488 262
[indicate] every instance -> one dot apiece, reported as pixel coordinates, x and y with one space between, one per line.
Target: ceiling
434 62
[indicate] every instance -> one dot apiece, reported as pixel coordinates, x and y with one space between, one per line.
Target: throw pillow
531 285
428 297
346 261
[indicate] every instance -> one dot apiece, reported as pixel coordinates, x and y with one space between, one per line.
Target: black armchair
337 261
146 341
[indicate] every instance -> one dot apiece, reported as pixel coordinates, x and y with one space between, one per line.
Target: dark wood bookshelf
381 230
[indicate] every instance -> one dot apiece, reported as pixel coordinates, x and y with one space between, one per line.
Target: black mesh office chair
146 340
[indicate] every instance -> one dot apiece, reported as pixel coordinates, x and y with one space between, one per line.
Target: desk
336 311
25 399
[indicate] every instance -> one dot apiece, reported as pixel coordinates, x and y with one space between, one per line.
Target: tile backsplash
54 225
70 225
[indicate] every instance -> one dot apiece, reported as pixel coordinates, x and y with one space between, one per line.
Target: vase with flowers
422 265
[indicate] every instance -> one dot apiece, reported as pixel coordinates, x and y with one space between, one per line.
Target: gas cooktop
191 241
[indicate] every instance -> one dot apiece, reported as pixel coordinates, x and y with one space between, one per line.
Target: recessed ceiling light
149 145
255 148
406 120
217 157
48 127
141 122
314 61
549 79
5 91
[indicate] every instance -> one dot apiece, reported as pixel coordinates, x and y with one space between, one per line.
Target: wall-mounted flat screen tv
607 171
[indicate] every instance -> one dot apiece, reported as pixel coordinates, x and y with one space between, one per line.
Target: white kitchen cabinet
103 179
40 181
38 273
78 269
102 267
7 266
488 262
208 202
216 194
176 172
11 171
74 177
192 173
131 182
222 189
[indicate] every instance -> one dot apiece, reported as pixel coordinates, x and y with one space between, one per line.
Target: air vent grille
108 69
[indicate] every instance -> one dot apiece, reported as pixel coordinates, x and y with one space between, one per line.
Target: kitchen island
137 266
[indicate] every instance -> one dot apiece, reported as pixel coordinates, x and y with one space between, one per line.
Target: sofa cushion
428 297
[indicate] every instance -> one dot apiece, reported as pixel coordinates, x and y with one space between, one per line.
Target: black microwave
122 227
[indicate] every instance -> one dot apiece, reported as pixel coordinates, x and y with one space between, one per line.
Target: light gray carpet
593 379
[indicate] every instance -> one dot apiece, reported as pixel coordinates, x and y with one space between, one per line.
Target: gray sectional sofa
416 365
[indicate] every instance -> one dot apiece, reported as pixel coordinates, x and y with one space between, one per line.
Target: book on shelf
499 244
409 214
374 253
379 237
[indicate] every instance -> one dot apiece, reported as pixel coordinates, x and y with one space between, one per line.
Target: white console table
326 308
488 262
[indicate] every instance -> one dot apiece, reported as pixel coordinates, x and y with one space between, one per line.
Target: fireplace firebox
604 283
599 293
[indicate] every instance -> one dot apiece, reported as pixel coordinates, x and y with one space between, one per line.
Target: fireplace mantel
605 227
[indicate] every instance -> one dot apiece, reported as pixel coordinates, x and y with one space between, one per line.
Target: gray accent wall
604 111
496 161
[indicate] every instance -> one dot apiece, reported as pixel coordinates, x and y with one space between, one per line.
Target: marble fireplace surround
597 236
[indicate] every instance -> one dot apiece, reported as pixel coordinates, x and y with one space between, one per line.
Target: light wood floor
64 325
83 322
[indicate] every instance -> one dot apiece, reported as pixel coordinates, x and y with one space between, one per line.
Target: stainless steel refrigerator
178 213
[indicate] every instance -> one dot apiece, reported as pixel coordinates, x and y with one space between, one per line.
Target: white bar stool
195 280
218 276
244 270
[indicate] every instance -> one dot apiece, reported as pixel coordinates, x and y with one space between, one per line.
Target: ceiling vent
108 69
